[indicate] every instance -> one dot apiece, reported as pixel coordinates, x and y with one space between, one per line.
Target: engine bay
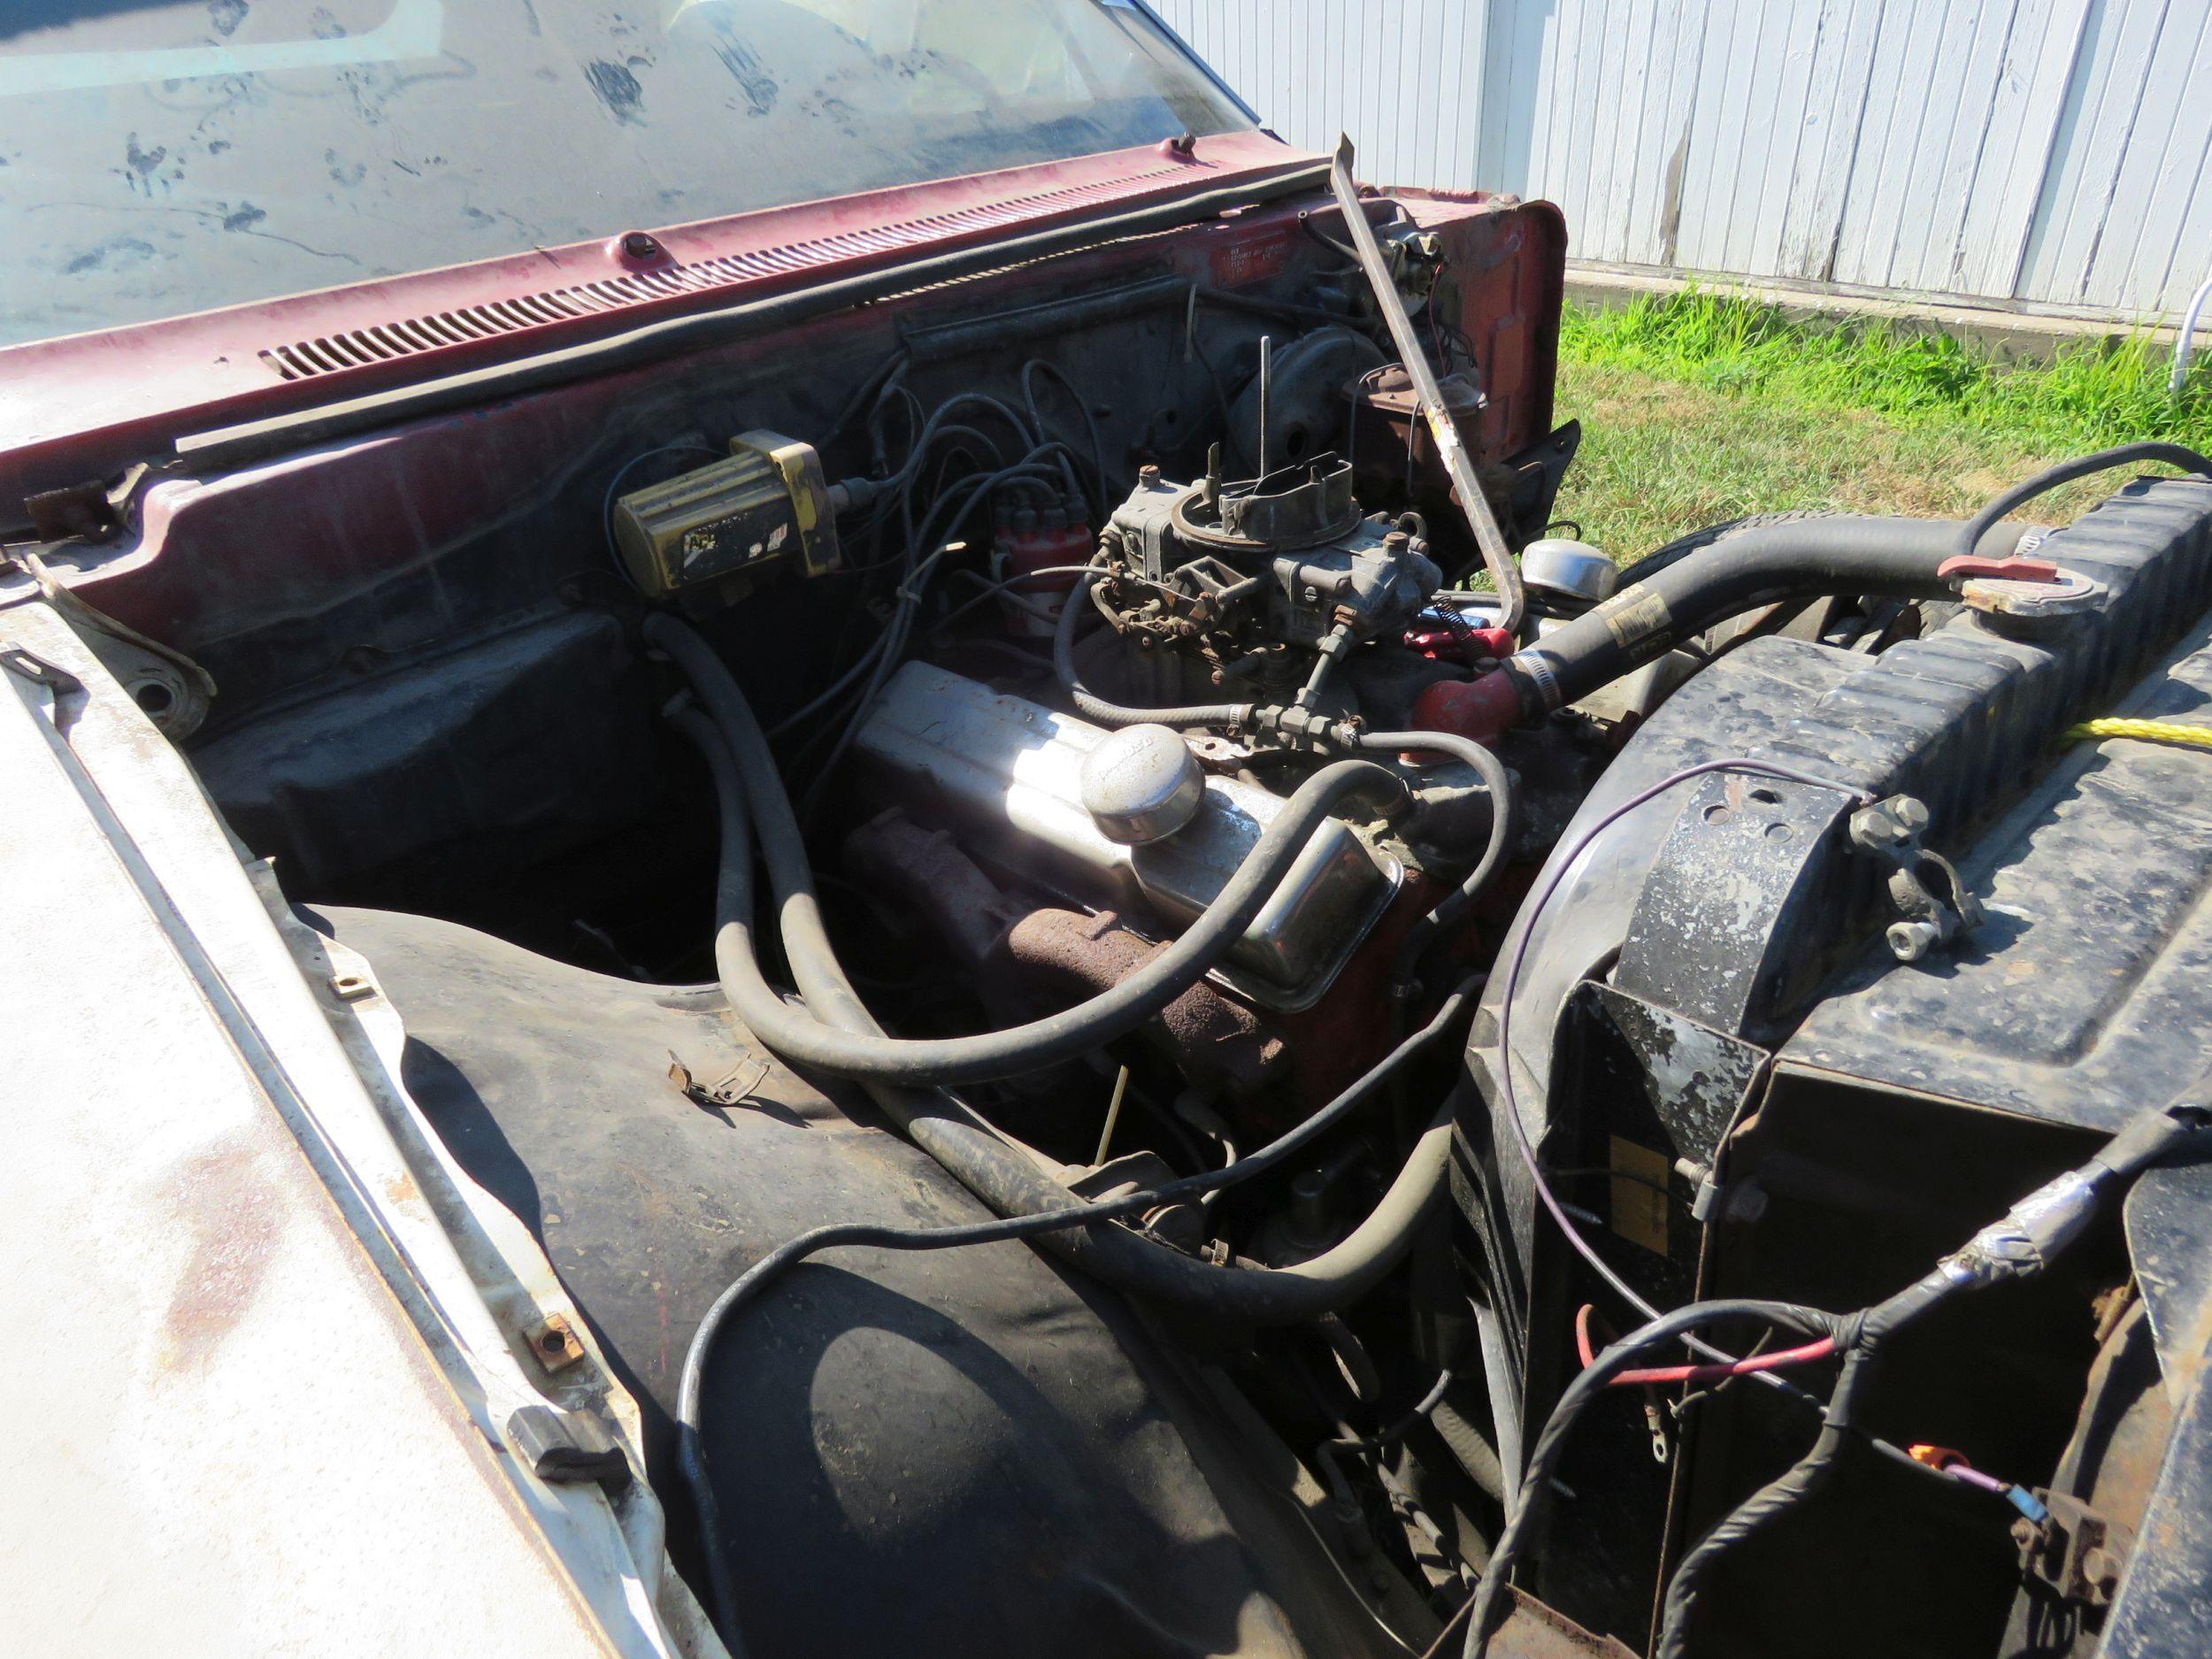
1150 1015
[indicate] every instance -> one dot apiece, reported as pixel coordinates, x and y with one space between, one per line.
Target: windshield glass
158 158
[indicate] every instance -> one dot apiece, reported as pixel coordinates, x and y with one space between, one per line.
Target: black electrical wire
895 497
606 507
1030 370
945 516
1971 532
1330 1453
991 590
2019 1245
950 505
1590 1385
1022 429
874 386
1803 1478
1563 859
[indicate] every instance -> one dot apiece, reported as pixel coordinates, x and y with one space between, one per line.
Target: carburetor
1249 577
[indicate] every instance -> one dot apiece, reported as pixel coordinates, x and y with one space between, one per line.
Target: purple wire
1550 1201
1975 1477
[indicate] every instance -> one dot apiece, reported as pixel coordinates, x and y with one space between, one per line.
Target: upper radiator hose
1772 563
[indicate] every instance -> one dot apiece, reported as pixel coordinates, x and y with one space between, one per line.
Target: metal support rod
2188 328
1505 1401
1267 383
1497 557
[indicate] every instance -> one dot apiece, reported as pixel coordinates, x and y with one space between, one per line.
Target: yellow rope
2146 731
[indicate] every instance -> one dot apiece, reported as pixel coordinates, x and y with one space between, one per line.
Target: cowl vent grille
382 342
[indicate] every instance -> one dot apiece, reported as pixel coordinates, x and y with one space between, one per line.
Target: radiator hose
1806 559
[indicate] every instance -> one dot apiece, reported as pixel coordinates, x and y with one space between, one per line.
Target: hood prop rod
1497 557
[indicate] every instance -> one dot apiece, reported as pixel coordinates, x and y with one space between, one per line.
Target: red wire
1821 1349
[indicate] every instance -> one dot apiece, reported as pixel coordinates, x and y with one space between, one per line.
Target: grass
1701 407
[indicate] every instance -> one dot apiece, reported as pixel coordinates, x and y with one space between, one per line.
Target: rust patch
554 1344
231 1213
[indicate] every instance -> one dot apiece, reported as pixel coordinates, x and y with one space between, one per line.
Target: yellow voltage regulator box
766 508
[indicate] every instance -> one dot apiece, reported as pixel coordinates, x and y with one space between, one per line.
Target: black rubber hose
1114 1012
1005 1178
1094 707
1773 563
1011 1182
1971 533
1453 907
1056 1225
807 1040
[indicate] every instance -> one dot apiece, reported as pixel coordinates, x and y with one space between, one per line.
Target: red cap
2015 570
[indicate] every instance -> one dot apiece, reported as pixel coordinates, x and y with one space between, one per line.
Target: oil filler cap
1142 784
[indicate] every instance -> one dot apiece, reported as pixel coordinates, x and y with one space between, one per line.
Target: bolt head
1874 826
1909 941
1748 1201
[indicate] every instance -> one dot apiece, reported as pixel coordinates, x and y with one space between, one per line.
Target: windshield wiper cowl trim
224 447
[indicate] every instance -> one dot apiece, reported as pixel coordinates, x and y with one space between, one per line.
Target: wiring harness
2020 1244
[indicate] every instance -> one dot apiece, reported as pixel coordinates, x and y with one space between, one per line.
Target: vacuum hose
844 1050
1005 1176
1095 708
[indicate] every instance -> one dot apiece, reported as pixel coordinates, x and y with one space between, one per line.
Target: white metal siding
2058 151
